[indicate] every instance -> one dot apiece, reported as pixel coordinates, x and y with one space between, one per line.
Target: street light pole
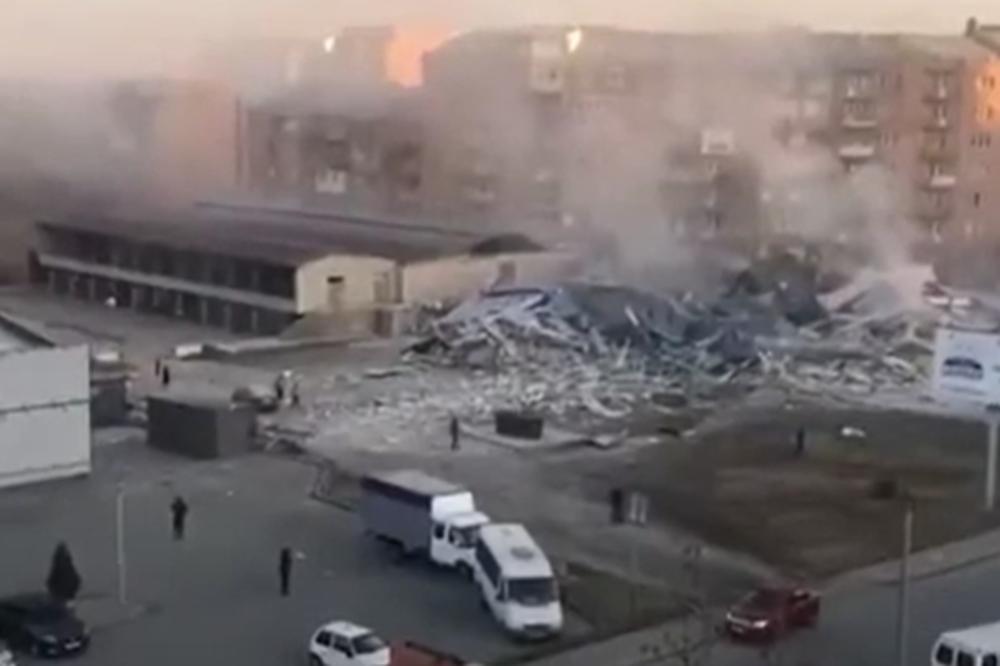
903 619
120 542
991 460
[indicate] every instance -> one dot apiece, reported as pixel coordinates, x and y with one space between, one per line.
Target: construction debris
597 359
606 350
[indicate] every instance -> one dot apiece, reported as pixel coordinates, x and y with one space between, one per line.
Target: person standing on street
800 442
455 432
178 514
285 570
279 389
165 377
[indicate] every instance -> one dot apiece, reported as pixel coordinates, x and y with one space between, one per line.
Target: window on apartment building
982 140
977 199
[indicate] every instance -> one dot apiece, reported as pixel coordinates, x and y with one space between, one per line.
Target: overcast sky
72 36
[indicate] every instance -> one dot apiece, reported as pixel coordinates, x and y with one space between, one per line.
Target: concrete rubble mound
606 350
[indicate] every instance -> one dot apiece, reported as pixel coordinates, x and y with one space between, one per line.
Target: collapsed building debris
606 350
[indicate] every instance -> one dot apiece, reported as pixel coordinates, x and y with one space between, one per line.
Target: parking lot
213 598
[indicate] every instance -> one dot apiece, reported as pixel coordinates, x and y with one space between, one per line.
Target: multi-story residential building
920 106
182 139
561 127
325 154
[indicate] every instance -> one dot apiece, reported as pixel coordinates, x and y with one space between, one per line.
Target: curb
924 565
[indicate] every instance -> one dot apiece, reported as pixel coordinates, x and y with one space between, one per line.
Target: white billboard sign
966 366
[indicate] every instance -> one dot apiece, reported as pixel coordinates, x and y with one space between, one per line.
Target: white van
516 581
975 646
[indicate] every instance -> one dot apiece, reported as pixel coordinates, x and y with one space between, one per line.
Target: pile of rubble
604 350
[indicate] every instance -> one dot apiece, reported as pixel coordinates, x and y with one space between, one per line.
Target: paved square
213 598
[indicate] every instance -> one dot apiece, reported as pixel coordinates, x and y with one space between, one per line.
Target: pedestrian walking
279 389
178 515
165 376
296 399
455 432
285 570
800 442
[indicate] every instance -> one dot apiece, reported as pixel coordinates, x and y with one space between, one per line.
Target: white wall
44 414
360 275
456 278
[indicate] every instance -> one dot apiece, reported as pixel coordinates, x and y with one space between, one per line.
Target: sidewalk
654 645
927 563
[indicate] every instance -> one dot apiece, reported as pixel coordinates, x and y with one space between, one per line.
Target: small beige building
258 270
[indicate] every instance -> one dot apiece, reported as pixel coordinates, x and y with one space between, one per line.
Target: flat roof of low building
17 334
285 236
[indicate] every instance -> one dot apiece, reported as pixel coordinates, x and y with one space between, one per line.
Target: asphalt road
858 626
213 598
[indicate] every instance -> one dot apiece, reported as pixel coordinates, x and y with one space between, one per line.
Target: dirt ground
813 515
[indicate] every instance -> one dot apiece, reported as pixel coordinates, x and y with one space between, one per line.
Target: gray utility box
519 424
200 428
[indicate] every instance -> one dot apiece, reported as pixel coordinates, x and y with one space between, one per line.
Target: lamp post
120 543
903 614
992 425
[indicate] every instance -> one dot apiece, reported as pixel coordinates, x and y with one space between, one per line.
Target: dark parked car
769 613
36 624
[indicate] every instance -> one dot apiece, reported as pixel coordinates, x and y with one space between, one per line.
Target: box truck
422 515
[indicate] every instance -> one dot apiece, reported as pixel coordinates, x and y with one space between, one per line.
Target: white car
347 644
6 658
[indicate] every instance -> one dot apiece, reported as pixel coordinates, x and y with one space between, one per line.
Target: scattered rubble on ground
596 358
604 350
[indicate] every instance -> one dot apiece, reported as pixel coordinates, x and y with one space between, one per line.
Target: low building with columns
257 270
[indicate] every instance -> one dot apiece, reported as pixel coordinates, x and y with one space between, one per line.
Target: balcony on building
854 91
937 123
857 151
941 181
851 121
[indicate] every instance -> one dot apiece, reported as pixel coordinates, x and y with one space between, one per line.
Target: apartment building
316 153
606 127
181 138
922 107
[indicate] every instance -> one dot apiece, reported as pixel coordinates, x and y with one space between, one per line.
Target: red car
769 613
